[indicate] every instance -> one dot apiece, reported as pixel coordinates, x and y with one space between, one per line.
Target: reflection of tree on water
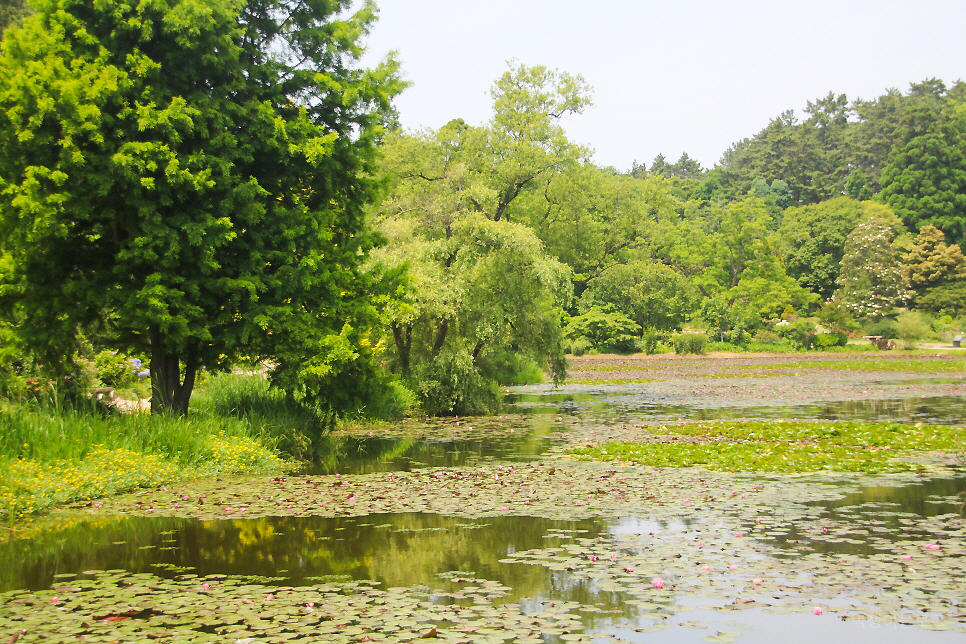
430 446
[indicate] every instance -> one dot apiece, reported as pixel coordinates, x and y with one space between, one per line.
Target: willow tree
193 173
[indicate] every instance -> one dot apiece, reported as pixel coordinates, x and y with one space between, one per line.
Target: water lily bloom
503 509
737 534
593 557
732 567
757 581
658 583
701 544
54 600
705 568
628 570
907 557
817 610
687 501
932 546
206 586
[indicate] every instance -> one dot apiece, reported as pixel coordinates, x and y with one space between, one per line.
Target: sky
669 76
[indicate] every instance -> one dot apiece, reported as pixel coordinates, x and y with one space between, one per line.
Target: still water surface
413 549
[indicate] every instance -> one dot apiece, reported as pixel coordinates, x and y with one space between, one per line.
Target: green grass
786 446
57 454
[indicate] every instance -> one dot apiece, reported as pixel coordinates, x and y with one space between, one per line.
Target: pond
595 552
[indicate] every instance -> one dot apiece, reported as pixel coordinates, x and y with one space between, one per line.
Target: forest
187 192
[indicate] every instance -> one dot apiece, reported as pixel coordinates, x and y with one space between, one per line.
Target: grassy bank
55 454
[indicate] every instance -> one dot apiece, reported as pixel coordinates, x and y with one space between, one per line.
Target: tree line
203 185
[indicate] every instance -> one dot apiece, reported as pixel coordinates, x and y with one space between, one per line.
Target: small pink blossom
593 557
658 583
932 546
628 570
757 581
817 610
206 586
737 534
705 568
687 501
907 557
54 600
732 567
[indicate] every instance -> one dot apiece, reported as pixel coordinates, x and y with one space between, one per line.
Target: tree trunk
169 392
440 337
404 346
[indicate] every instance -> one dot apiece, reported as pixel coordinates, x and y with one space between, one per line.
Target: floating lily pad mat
593 541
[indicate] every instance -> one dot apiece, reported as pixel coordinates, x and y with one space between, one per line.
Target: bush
114 369
690 343
605 329
800 333
912 327
764 336
827 340
650 342
622 343
885 327
509 368
577 346
451 384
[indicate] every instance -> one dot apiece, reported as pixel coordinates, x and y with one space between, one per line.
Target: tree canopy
194 175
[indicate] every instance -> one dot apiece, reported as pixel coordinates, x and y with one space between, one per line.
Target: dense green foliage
209 184
191 177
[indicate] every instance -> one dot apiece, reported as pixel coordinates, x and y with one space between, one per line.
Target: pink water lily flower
817 610
658 583
932 546
757 581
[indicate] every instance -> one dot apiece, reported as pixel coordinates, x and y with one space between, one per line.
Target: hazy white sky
669 76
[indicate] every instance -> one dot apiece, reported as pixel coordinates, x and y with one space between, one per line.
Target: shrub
115 369
827 340
886 327
800 333
605 329
577 346
650 342
689 343
912 327
764 336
